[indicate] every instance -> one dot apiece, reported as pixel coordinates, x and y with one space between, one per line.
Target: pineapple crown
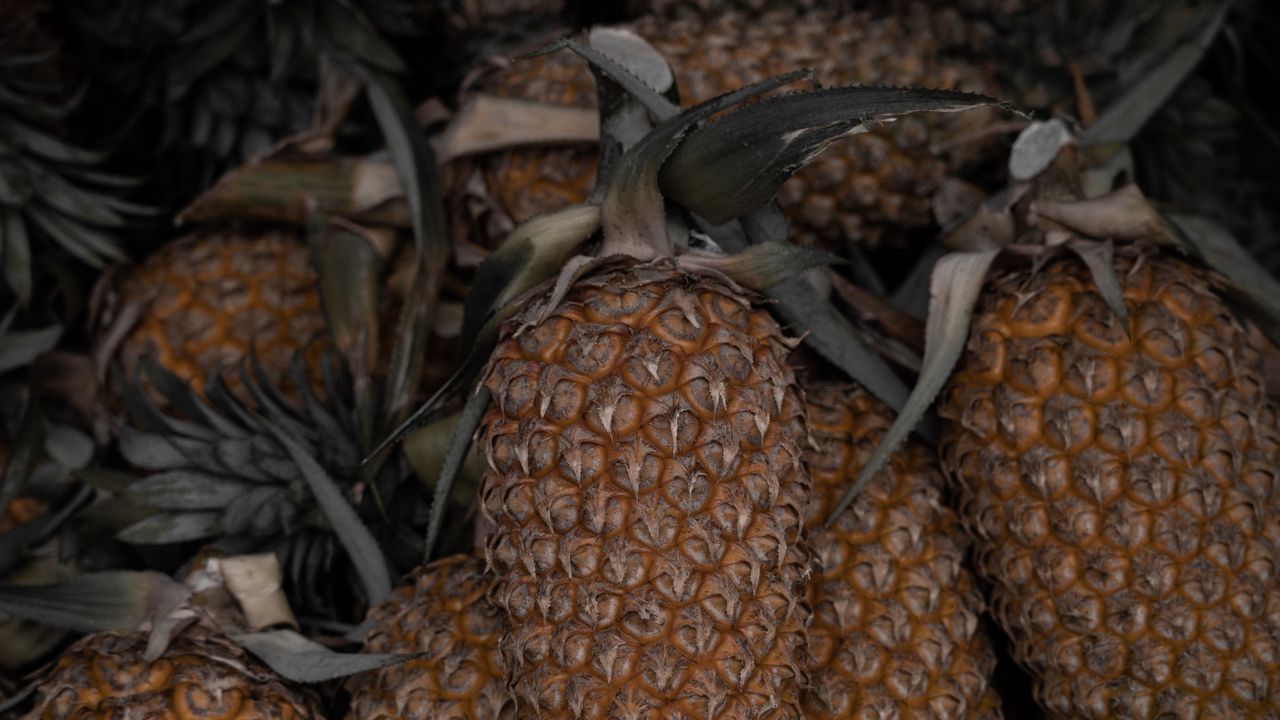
52 196
266 474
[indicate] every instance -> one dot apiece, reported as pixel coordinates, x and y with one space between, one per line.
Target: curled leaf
298 659
736 164
957 281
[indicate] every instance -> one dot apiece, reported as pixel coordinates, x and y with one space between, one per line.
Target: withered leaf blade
366 557
96 602
348 270
533 252
633 213
298 659
736 164
1258 290
459 444
15 255
1099 257
1125 117
763 265
415 162
957 282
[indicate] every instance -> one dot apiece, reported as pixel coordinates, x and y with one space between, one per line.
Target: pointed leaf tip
957 281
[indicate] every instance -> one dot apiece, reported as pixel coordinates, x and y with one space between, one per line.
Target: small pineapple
201 675
648 493
874 187
896 630
1120 481
206 300
445 614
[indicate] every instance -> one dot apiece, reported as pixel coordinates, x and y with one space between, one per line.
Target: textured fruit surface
210 297
446 615
648 493
896 611
21 510
871 187
1119 488
199 676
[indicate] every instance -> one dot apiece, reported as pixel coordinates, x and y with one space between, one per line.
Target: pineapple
896 629
445 614
875 187
648 496
1120 486
201 675
206 300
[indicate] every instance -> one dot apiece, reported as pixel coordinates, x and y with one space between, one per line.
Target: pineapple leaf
809 315
169 528
24 451
96 602
736 164
416 163
633 213
488 123
348 269
351 31
150 451
763 265
957 281
185 490
1099 257
661 107
15 255
359 543
90 245
532 253
21 347
1122 120
50 147
302 660
1256 289
459 444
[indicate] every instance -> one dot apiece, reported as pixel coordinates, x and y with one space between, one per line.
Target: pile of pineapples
599 382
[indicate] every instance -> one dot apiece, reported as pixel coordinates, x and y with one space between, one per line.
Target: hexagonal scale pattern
1121 488
896 610
211 296
201 676
444 613
648 493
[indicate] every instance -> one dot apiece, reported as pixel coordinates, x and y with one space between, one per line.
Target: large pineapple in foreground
445 614
1121 485
201 675
896 629
201 303
648 493
875 187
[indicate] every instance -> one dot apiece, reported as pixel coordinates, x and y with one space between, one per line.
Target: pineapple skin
873 187
1120 491
201 675
446 614
210 297
896 629
648 495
